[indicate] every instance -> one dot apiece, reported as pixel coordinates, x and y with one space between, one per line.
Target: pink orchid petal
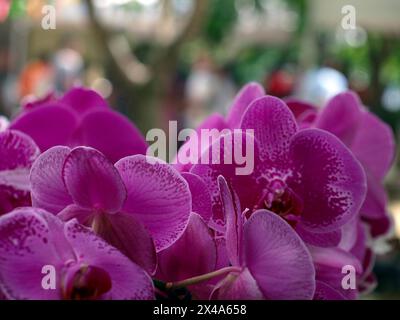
327 239
349 234
334 258
381 226
32 238
26 246
17 150
201 197
126 233
273 124
331 183
374 145
245 186
92 180
374 206
213 122
359 247
83 100
222 254
299 107
73 211
277 258
176 264
326 292
111 133
48 189
241 286
243 99
329 263
129 281
233 222
341 116
48 126
17 153
158 196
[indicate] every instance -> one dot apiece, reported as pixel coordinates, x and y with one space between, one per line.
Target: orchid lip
86 282
282 200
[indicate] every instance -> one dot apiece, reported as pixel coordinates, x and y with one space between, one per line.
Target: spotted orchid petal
176 264
244 98
331 181
277 258
48 188
158 197
92 180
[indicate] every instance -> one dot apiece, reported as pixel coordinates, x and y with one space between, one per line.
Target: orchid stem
202 278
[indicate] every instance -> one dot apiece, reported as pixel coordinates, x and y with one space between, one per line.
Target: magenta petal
374 145
129 281
26 246
246 95
201 197
374 206
73 211
158 196
349 234
334 258
331 183
176 264
328 265
83 100
359 248
17 150
48 189
92 180
380 226
48 126
240 286
341 116
214 121
111 133
327 239
326 292
234 222
299 107
124 232
17 153
277 258
245 186
273 124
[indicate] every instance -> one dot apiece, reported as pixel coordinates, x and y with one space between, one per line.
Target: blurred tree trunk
143 94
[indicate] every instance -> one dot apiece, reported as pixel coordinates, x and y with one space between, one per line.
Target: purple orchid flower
80 117
351 251
265 258
17 153
129 204
85 266
369 139
175 264
308 177
271 260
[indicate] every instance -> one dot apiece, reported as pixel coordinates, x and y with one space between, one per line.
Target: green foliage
221 18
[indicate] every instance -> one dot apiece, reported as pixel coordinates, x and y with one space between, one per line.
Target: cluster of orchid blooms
78 192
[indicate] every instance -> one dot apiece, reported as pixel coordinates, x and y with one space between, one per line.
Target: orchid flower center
86 283
282 200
